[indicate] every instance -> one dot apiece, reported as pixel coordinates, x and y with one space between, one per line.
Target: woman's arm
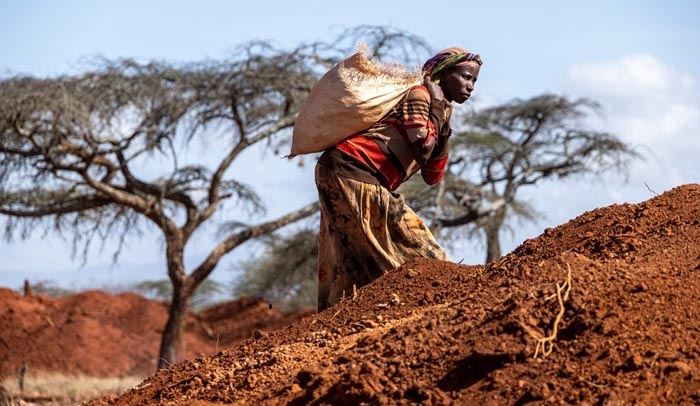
423 121
434 169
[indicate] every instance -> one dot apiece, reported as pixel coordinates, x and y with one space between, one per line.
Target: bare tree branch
231 242
71 205
472 215
215 182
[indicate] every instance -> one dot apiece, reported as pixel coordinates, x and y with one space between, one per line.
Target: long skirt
366 231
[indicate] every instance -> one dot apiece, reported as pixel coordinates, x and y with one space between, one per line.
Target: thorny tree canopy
524 141
69 144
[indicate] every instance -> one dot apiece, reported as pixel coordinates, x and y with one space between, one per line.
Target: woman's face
457 83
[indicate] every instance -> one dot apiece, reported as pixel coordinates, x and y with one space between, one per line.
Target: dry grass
75 388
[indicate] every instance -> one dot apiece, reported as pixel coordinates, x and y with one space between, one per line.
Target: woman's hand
434 89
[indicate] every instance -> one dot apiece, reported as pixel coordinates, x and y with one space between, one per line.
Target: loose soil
616 289
100 334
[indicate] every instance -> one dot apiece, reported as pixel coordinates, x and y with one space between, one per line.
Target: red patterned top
412 136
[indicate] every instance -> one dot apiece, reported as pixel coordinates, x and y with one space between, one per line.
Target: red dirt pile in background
100 334
439 333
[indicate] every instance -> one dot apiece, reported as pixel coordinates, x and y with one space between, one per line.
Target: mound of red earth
601 310
100 334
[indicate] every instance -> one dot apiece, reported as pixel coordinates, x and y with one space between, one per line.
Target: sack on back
351 97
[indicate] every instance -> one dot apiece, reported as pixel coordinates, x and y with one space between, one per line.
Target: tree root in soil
545 345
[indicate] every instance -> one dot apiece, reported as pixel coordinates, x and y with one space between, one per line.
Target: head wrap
448 58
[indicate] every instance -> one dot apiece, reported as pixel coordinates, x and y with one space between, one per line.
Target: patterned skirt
366 231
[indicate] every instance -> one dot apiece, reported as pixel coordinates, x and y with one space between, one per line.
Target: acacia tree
69 147
73 150
514 145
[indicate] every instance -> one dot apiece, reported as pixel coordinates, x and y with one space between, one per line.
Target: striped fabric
412 136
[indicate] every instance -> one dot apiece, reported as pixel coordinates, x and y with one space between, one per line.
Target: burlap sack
349 98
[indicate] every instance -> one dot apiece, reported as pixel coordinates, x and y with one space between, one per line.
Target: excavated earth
99 334
601 310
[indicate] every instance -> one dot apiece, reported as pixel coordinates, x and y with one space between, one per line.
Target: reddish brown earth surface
437 333
100 334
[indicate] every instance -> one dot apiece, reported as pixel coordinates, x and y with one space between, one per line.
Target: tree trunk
492 230
172 342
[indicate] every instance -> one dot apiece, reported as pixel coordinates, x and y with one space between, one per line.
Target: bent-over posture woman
366 227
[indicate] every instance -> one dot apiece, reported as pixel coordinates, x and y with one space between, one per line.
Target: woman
366 228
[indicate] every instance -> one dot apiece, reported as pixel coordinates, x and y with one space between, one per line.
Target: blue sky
638 58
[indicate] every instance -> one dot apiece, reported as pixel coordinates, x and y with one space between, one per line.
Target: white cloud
647 103
650 104
639 75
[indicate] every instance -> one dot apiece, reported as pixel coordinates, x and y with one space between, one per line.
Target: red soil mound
101 334
433 332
